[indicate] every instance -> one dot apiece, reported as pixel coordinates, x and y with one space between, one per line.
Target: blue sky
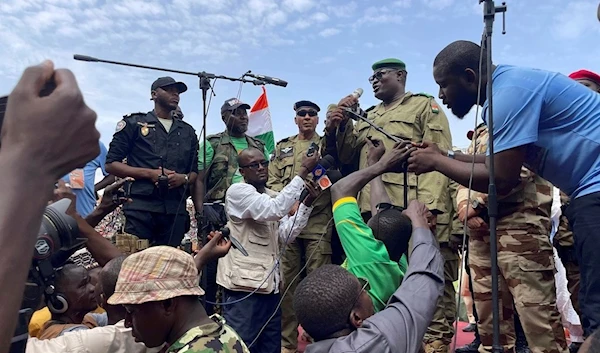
323 48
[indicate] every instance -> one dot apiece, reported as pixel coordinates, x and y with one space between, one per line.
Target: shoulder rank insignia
120 125
434 107
370 108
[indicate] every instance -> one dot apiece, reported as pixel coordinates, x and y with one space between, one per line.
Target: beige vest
247 273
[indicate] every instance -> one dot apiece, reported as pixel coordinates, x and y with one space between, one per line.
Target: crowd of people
353 237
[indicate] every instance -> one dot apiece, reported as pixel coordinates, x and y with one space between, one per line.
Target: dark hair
324 299
461 55
63 274
110 274
393 229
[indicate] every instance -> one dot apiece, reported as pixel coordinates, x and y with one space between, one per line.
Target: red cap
470 134
585 75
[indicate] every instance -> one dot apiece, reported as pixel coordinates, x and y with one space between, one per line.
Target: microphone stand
489 14
204 85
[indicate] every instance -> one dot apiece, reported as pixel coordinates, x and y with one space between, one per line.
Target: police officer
315 238
156 147
414 117
217 172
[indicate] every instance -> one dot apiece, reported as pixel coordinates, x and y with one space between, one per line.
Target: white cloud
320 17
346 9
299 5
328 32
402 3
378 16
576 19
438 4
325 60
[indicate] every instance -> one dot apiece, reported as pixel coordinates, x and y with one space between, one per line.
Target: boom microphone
272 80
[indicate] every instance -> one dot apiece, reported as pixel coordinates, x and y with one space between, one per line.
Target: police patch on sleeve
120 125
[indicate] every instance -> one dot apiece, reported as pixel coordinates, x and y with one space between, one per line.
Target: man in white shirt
258 218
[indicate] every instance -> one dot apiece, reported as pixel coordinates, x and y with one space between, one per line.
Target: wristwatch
451 154
475 204
187 179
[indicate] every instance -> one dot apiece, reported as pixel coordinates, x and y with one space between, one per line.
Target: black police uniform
144 141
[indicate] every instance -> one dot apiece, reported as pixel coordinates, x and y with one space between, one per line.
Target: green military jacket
224 164
415 117
284 166
216 337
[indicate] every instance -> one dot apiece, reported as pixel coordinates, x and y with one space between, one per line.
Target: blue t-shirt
86 197
557 118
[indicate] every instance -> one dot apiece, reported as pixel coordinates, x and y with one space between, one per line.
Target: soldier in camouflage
525 260
159 289
413 117
314 242
217 170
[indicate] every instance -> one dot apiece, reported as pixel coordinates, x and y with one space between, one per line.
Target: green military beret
391 63
331 107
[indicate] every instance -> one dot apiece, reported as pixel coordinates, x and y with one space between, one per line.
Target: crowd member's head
307 116
331 302
74 284
159 289
235 116
457 73
393 229
165 93
388 79
106 287
587 78
254 167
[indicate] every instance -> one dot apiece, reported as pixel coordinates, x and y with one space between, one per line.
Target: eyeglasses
365 287
303 113
256 165
379 75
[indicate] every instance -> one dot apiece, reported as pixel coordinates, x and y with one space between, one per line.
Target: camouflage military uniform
215 337
415 117
525 263
565 247
282 169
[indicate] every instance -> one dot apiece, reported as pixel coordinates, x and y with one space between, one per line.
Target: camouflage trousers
441 327
292 262
525 275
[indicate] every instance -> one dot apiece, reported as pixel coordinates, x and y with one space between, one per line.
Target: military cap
166 81
299 104
391 63
156 274
232 104
585 75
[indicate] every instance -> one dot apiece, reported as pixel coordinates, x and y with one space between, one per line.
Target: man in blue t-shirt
82 182
543 120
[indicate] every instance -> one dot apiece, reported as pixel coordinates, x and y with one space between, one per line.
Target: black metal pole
204 86
489 13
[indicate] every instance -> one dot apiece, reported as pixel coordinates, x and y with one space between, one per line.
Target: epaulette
370 108
423 94
133 114
283 140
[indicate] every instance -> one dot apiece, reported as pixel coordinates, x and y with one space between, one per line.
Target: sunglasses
379 75
264 164
303 113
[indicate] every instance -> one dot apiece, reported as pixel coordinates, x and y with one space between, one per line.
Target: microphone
272 80
84 58
357 93
319 173
234 242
